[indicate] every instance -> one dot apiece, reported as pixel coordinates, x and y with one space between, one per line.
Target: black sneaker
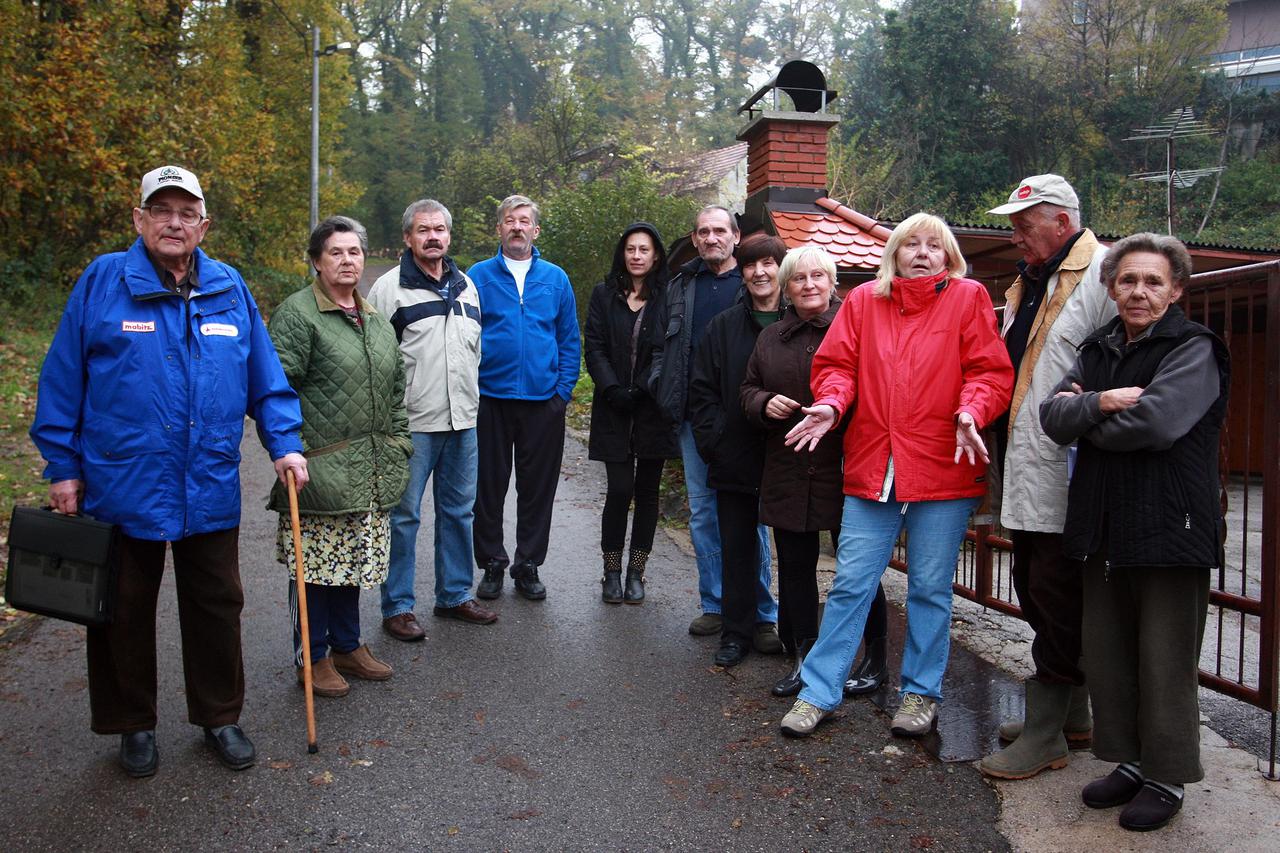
525 576
490 587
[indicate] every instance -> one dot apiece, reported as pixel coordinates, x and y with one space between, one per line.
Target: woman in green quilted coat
342 358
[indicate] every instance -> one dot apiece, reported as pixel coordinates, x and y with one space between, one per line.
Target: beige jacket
1034 482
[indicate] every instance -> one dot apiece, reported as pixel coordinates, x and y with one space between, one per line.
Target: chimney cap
803 81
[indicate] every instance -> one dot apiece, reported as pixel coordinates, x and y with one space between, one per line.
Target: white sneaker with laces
802 719
916 716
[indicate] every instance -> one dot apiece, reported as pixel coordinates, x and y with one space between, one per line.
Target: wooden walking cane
304 626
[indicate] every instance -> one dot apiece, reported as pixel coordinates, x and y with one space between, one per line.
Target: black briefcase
61 565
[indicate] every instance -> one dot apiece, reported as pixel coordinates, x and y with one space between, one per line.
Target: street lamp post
316 53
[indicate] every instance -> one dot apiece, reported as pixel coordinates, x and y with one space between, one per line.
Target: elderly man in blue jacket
531 357
160 354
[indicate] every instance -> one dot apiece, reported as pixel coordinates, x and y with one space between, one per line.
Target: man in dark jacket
160 353
701 290
532 354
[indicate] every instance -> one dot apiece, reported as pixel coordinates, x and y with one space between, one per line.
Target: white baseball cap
1038 189
170 176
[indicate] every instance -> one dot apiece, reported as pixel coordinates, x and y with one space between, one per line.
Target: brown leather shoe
325 680
468 611
361 664
404 626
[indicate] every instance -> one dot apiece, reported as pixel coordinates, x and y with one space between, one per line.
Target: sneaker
706 625
802 719
916 716
766 640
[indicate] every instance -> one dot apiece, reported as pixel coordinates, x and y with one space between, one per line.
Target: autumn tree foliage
96 93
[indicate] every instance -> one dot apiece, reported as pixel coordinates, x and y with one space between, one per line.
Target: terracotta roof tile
855 241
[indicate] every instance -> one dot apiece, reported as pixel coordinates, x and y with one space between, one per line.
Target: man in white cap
159 355
1056 301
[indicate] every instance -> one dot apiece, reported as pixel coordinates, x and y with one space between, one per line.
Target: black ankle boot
790 684
635 577
611 583
870 672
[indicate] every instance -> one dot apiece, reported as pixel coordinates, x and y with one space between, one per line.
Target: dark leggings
333 617
798 589
638 479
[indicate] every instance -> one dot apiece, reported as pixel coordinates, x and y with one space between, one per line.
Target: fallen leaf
325 778
280 765
362 762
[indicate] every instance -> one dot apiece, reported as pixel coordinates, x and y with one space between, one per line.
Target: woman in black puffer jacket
628 433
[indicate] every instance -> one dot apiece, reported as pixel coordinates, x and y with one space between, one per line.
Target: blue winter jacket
531 346
143 396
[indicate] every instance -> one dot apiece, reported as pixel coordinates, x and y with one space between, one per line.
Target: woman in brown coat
801 494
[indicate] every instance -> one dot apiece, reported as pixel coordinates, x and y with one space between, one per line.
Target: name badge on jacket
225 330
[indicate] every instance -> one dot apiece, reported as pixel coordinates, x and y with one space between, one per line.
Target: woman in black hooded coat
628 432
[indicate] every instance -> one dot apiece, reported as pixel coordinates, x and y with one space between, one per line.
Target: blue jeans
704 530
452 458
868 530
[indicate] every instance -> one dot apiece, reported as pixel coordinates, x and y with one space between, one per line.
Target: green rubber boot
1078 728
1041 745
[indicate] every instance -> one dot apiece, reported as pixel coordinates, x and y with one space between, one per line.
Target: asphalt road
568 725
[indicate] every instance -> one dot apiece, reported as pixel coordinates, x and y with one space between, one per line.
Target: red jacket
910 364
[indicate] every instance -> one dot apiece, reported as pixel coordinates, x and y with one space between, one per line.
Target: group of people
1091 411
160 354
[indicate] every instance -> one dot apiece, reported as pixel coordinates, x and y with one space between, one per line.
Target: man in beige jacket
1056 301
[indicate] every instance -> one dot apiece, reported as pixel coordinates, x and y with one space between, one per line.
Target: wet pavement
569 724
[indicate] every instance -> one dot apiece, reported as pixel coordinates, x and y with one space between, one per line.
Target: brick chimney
787 150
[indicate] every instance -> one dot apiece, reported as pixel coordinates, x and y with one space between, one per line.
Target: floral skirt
339 550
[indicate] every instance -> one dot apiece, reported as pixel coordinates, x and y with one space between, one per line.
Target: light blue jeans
868 530
704 530
449 460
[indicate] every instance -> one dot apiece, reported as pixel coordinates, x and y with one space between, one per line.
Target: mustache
433 244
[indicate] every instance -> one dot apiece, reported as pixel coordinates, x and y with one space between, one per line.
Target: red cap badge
1024 191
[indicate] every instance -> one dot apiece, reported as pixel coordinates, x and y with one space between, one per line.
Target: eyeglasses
188 216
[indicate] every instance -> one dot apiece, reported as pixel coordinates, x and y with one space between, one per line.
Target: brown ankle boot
325 680
361 664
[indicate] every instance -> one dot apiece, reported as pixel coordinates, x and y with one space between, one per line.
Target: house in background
718 176
1251 50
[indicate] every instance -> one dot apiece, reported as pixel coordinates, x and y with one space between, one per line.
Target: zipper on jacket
1106 571
1188 524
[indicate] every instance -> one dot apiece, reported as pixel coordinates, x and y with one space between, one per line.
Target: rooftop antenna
1179 124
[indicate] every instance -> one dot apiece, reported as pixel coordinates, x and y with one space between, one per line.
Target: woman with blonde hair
917 357
800 493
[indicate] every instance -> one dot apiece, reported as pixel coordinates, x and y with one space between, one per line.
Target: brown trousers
122 655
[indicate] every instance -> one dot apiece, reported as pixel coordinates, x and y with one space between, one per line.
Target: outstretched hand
969 441
817 422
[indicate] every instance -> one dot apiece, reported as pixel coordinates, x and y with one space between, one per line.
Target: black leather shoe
490 587
232 745
731 653
611 588
139 755
527 583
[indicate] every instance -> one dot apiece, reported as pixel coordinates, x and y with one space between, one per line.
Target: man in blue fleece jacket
531 356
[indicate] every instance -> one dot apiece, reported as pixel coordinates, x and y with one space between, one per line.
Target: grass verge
23 342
